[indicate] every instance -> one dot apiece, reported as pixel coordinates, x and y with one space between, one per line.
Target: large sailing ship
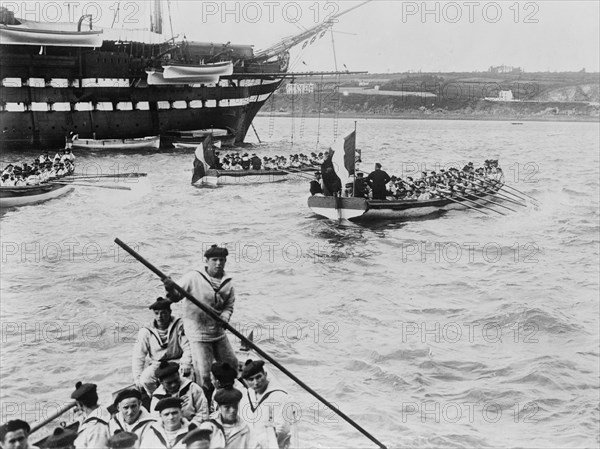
62 78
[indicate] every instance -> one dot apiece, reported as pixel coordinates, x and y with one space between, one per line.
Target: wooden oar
507 191
463 204
91 185
215 316
301 174
509 199
522 193
479 205
482 196
116 175
51 418
494 185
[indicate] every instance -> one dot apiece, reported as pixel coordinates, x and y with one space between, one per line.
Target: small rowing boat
225 177
114 144
191 139
15 196
204 174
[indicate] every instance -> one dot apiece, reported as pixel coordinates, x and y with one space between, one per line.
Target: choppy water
458 330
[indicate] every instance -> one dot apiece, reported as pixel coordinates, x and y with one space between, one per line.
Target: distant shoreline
434 116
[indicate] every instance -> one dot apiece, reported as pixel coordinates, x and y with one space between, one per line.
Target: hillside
570 96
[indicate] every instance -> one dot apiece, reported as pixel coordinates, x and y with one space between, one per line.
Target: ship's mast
291 41
156 23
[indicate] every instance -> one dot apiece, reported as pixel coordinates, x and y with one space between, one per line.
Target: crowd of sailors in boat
378 185
41 170
190 391
239 161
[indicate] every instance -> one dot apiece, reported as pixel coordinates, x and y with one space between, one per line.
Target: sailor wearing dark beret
197 438
253 367
226 426
61 439
195 404
162 339
14 435
131 415
123 440
93 424
225 376
213 288
269 406
170 429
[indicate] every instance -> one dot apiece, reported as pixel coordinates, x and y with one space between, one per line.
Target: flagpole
355 168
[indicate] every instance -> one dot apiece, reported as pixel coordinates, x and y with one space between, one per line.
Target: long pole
477 204
215 316
116 175
522 193
513 195
51 418
255 133
463 204
509 199
91 185
482 197
354 155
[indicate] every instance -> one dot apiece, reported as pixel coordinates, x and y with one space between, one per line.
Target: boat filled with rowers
190 388
23 183
381 196
212 168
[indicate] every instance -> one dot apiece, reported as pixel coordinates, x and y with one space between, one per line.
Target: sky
381 36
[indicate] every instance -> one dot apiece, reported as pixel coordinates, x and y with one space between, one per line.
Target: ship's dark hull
47 130
36 113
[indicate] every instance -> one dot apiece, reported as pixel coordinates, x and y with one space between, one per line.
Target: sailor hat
166 369
127 394
216 251
166 403
82 391
122 440
196 434
252 367
160 304
228 396
61 438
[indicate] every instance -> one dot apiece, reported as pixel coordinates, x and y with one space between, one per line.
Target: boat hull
115 144
27 195
236 177
19 35
362 209
104 93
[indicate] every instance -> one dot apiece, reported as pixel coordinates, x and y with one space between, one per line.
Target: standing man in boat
131 417
255 162
269 411
14 435
213 288
378 180
93 425
315 185
332 184
161 340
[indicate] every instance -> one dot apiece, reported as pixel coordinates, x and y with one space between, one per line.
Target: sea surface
453 330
